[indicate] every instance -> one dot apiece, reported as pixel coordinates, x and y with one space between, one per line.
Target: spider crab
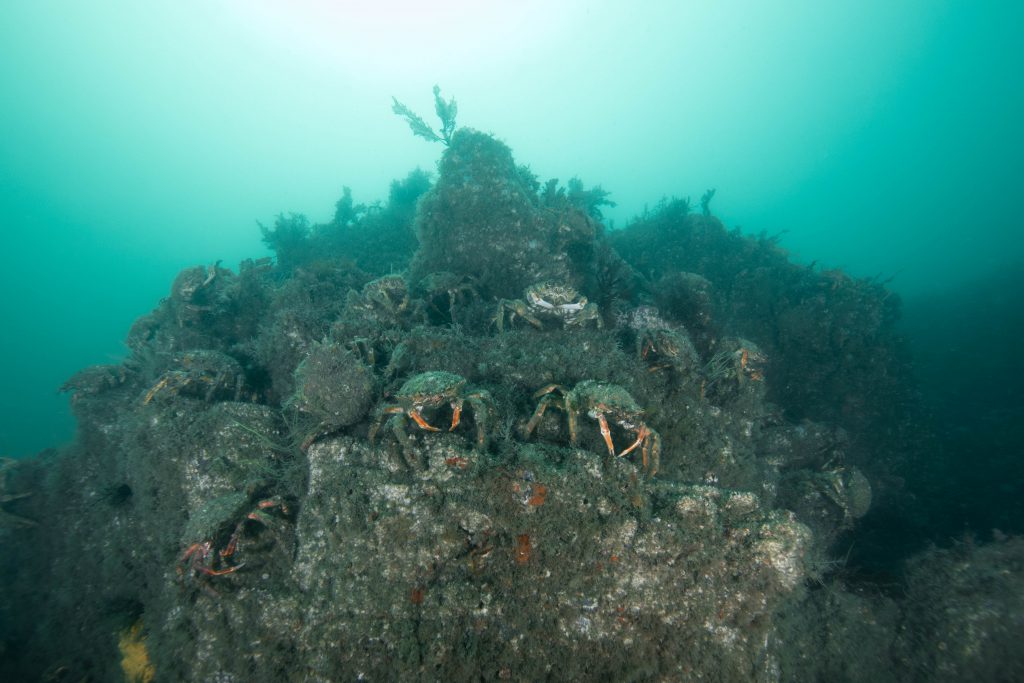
547 301
210 375
606 403
203 559
664 349
431 390
384 301
451 289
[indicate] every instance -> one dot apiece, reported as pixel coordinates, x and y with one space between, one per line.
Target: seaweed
445 110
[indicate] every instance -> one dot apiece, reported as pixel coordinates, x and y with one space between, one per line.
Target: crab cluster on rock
508 452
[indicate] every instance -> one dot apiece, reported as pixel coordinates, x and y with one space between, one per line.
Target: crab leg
548 389
164 381
415 415
547 399
221 572
641 433
653 446
537 415
201 549
606 432
456 415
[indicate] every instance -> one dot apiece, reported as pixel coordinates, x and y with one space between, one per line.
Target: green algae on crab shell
592 392
433 383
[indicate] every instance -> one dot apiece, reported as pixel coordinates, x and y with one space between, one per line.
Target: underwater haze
140 138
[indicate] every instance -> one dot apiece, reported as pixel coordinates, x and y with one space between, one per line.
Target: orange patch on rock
540 493
522 549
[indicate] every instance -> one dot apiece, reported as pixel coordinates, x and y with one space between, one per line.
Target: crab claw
414 414
650 449
606 432
456 415
641 433
221 572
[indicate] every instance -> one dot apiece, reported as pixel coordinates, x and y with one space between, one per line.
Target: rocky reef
524 448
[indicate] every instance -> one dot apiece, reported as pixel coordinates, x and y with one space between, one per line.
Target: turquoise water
880 137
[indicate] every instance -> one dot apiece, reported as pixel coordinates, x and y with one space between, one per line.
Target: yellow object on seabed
134 655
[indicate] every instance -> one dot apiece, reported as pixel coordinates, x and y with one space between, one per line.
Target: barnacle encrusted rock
538 570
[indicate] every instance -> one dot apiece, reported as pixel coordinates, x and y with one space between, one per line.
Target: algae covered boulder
473 570
483 219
